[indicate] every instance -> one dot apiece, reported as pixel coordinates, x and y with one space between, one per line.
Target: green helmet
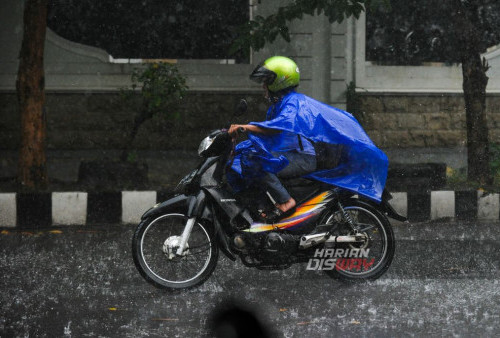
278 73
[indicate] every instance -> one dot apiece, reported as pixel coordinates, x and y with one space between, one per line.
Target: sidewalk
82 208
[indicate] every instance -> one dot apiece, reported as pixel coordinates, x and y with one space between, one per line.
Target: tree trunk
143 116
474 86
32 171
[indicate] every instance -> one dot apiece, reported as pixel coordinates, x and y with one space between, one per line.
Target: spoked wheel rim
372 252
177 269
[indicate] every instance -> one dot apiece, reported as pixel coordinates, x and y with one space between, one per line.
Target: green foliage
132 157
256 33
161 86
458 178
495 162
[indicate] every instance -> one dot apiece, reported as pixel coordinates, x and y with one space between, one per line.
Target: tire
381 242
151 256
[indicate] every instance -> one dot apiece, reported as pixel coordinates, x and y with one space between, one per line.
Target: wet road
81 282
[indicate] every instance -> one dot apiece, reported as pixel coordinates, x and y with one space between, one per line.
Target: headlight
205 144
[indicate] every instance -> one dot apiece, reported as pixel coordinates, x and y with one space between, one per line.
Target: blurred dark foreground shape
234 320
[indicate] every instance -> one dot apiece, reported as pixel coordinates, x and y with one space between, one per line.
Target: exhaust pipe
312 240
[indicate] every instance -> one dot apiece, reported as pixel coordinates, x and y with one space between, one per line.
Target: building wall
401 107
86 119
415 128
318 47
416 113
90 126
404 121
321 50
82 85
94 121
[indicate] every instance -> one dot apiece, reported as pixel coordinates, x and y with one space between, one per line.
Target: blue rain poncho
362 168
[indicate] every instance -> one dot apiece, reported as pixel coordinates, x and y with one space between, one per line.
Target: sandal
274 214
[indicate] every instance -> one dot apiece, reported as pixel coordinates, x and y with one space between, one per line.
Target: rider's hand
235 129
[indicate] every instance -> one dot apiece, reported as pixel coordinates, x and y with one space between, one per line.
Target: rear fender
386 208
390 212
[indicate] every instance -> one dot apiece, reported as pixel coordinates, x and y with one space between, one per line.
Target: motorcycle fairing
192 205
307 211
363 168
177 202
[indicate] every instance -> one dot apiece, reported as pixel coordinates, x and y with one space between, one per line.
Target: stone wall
96 121
421 121
92 121
91 125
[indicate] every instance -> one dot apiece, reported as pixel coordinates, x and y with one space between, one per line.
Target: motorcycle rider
280 76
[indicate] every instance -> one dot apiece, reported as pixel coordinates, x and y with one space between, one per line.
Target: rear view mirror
241 108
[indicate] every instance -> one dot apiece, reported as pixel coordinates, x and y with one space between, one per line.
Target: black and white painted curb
25 210
75 208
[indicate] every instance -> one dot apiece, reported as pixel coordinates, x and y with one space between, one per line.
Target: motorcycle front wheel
154 248
369 259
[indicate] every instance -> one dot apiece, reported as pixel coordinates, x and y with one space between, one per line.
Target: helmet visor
263 75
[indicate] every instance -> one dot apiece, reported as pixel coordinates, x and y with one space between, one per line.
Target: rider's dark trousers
300 164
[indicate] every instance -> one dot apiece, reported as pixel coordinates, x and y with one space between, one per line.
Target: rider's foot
280 211
284 207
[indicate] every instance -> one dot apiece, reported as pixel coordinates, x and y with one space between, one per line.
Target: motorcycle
177 243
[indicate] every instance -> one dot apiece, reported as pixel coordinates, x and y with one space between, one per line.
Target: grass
456 179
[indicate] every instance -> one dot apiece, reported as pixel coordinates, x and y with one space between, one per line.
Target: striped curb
35 210
38 210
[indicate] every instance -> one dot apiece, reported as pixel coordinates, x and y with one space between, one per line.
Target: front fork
195 208
185 235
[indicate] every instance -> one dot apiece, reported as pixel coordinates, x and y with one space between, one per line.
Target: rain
138 98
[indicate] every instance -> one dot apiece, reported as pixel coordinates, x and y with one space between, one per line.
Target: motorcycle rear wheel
380 245
153 250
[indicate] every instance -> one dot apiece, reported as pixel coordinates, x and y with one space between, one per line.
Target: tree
474 86
162 87
32 171
468 28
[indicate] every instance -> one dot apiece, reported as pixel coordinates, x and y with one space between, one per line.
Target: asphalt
81 282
